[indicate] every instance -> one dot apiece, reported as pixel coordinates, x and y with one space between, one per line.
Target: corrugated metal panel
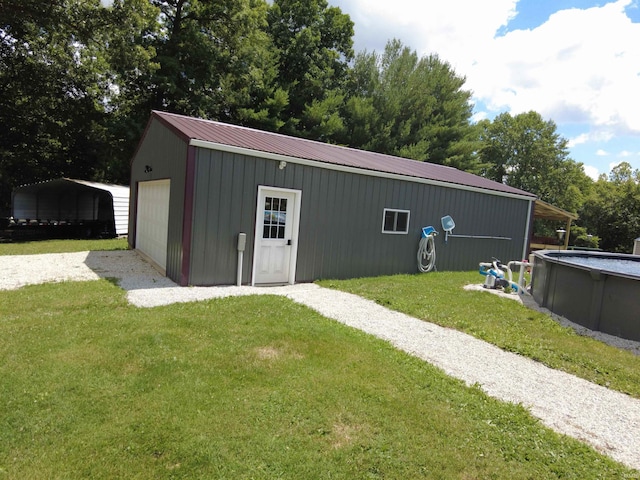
24 206
225 195
267 142
162 155
341 220
121 215
120 195
69 198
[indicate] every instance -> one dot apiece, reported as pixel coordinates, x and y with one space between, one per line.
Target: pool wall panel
598 300
621 308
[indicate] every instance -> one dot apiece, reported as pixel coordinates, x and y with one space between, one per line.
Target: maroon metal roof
275 143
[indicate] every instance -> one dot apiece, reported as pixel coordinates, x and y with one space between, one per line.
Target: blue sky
576 62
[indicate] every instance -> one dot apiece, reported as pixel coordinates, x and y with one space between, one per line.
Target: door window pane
275 217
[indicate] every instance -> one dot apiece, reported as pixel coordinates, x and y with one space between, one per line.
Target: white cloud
479 116
591 171
454 29
582 138
625 154
579 67
602 153
565 71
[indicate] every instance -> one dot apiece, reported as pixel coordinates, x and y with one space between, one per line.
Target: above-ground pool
600 291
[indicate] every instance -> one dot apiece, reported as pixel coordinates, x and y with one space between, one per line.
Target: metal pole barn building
308 210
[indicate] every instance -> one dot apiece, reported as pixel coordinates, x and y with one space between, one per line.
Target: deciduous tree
612 210
215 61
52 86
526 152
314 44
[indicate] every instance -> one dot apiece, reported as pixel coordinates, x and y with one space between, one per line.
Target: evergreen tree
413 107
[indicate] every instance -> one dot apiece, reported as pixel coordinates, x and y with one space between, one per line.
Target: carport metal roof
549 212
546 211
117 191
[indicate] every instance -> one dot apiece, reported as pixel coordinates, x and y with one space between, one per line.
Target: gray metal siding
166 154
341 220
225 196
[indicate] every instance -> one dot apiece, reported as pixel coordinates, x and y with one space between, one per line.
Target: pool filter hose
427 253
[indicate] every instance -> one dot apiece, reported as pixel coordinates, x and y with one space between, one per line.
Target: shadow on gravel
130 269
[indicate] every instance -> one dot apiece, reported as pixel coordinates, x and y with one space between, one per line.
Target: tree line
78 81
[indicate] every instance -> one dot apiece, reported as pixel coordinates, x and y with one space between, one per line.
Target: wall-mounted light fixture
282 164
148 169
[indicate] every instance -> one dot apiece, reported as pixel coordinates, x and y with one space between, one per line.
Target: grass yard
438 297
62 246
260 387
244 388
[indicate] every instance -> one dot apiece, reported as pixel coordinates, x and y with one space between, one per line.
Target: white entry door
276 238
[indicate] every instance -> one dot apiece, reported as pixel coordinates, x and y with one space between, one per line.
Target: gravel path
607 420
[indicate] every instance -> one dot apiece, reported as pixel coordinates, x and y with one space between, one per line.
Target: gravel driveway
607 420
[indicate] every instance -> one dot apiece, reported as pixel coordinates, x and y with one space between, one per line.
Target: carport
68 205
547 212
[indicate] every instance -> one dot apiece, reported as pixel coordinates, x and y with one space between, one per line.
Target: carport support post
568 229
242 242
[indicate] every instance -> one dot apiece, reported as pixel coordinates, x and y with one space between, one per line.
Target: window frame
396 211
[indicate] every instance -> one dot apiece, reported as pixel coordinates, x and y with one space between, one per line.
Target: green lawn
262 388
239 388
439 297
61 246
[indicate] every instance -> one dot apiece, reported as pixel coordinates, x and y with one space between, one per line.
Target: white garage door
152 220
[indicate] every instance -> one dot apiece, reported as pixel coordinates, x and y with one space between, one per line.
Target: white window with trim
395 221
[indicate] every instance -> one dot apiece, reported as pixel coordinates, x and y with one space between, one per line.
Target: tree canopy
314 44
526 152
52 86
612 210
401 104
78 81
